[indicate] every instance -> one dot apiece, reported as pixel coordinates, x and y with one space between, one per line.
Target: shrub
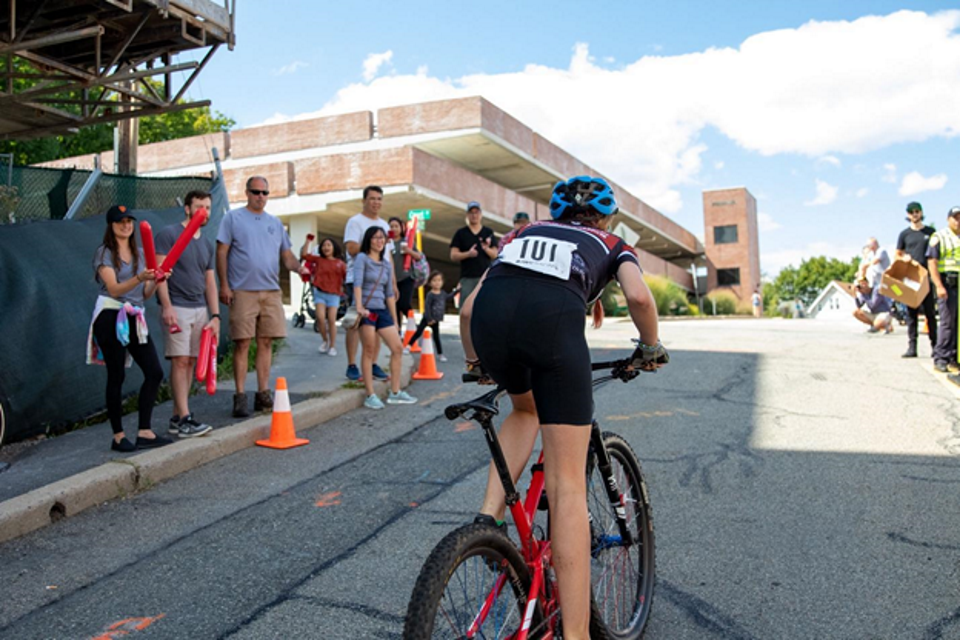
724 301
670 297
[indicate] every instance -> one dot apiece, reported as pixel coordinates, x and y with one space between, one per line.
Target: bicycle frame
537 553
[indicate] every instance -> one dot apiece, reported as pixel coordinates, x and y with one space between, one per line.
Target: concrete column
299 226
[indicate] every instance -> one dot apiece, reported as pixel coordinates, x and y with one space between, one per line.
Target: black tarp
47 294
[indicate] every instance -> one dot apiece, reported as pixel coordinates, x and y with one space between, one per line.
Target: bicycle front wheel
622 572
474 581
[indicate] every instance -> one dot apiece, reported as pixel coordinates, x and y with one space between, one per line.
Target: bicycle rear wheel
474 575
622 574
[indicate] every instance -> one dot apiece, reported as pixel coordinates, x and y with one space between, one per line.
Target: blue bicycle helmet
581 193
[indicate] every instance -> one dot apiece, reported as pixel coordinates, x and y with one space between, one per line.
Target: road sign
422 214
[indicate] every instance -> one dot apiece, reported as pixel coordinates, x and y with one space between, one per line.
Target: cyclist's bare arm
640 302
466 310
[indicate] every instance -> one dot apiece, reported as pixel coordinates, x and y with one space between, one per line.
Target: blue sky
833 114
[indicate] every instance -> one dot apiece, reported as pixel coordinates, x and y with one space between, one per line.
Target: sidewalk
45 480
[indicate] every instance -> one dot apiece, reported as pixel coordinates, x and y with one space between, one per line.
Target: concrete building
435 155
732 241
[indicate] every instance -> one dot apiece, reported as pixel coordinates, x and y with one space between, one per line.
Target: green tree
807 280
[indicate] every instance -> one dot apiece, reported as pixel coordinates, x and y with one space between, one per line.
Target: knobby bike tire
457 577
623 576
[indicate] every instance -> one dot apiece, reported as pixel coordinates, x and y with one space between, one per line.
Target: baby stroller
306 300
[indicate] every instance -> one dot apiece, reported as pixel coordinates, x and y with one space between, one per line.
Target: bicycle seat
487 403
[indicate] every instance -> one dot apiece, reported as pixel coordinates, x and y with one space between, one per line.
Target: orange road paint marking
463 426
441 395
125 627
687 412
328 499
414 504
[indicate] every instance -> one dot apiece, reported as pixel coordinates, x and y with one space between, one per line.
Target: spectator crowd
373 271
937 252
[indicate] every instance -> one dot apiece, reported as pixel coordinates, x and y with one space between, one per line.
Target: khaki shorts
187 342
257 314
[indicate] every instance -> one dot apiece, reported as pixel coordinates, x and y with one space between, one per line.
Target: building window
725 235
728 277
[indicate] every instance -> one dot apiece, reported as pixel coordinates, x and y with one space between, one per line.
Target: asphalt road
804 482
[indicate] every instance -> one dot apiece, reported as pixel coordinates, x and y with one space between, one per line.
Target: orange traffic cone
923 324
428 363
282 433
408 334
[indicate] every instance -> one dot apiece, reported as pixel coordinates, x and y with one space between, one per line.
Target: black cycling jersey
581 258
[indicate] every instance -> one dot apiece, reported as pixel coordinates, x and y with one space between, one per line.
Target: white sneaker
406 350
323 347
332 351
442 358
401 397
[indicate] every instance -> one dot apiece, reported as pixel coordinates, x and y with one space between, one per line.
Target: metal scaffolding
66 64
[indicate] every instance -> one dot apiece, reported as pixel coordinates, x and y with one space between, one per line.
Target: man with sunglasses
943 262
251 243
912 246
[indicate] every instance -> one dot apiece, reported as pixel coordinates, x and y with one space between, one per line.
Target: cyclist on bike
526 322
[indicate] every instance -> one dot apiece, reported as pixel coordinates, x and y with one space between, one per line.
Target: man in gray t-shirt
251 244
190 305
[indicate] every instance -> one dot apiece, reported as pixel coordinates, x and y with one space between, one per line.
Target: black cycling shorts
529 335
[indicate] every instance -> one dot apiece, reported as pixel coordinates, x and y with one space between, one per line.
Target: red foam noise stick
185 237
411 239
212 372
203 358
149 250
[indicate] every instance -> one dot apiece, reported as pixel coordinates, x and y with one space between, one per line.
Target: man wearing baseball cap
520 220
943 261
912 246
473 246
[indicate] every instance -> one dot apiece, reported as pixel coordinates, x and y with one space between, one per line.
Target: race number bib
543 255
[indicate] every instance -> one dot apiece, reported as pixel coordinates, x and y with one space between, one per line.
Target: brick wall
302 134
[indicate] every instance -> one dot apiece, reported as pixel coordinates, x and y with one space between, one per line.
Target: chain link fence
29 194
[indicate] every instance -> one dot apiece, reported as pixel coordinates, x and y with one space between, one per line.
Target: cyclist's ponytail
597 314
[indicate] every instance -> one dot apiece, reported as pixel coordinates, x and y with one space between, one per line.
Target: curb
123 477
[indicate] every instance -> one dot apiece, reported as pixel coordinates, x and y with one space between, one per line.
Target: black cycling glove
647 357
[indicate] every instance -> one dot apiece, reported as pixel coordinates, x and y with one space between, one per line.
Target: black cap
914 205
953 212
521 215
117 213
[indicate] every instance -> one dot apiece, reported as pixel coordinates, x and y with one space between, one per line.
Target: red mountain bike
477 583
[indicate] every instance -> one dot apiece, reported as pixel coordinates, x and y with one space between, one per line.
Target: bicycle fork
614 496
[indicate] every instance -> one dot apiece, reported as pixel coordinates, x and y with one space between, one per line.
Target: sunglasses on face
259 192
913 211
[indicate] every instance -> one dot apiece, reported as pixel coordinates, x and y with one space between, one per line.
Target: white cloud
718 165
373 63
291 68
773 261
767 223
914 183
862 192
826 193
889 173
831 160
771 95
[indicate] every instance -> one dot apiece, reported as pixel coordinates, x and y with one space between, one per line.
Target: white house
837 300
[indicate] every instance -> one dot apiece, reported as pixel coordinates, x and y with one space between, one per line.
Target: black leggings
434 331
405 301
114 356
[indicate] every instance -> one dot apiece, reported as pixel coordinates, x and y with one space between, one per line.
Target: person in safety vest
943 262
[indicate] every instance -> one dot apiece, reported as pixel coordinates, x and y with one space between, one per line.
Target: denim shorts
326 299
384 319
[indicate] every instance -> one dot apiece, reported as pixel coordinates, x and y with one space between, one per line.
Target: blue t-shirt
256 242
104 258
374 281
188 284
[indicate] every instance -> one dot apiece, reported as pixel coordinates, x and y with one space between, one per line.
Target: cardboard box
905 282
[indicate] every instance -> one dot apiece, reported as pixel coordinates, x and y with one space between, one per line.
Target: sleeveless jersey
580 258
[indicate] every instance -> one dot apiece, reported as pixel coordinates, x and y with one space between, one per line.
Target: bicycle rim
622 575
475 576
